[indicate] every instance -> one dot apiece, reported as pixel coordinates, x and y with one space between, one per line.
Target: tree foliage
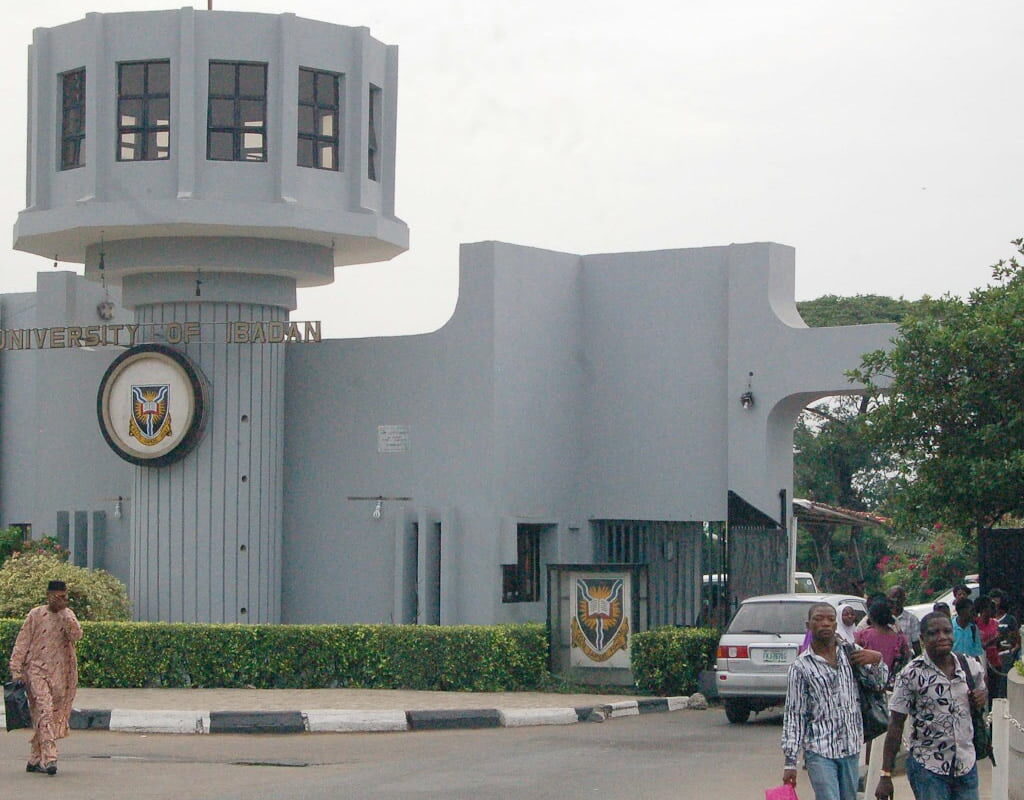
832 310
942 563
954 417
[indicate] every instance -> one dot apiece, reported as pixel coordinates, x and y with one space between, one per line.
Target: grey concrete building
632 407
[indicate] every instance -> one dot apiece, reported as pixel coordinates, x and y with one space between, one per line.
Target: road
684 755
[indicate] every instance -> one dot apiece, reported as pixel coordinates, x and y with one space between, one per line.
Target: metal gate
672 553
1001 562
758 562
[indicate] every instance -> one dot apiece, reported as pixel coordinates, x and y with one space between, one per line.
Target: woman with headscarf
846 630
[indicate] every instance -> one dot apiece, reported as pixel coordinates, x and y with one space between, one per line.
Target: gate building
166 419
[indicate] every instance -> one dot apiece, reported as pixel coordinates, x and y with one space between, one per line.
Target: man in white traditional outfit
44 658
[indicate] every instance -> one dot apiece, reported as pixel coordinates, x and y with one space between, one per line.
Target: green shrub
12 540
667 661
465 658
92 594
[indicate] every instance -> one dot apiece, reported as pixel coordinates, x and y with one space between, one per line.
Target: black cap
56 586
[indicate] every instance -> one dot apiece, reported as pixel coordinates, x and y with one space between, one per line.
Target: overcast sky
882 140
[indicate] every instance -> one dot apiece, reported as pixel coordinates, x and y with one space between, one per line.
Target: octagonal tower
209 163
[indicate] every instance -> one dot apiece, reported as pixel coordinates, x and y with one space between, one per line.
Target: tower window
236 128
319 106
72 119
143 110
373 134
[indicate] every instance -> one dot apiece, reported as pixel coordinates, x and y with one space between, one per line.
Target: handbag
16 706
982 733
874 710
784 792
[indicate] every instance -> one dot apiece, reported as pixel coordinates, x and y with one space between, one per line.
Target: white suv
760 643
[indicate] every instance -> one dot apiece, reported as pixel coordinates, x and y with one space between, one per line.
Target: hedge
462 658
667 661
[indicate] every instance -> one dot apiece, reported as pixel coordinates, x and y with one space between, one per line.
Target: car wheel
736 711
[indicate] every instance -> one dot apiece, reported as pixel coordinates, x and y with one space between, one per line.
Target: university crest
599 627
151 418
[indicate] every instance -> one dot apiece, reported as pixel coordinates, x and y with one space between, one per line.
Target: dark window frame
317 139
374 122
520 582
144 129
237 129
70 135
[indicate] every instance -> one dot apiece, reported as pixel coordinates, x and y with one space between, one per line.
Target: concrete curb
356 721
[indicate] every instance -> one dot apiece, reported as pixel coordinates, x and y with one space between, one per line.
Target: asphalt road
684 755
688 754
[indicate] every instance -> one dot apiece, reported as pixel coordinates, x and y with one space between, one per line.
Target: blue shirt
967 640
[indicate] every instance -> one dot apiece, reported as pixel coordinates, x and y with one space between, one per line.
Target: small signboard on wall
593 612
392 438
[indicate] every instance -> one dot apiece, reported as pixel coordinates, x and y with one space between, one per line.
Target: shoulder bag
16 706
982 733
874 710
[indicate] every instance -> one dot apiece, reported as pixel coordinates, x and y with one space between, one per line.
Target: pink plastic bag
784 792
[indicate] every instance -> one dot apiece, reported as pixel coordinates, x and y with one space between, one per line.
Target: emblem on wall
151 419
599 625
141 393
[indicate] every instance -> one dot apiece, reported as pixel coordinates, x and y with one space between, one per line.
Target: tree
954 413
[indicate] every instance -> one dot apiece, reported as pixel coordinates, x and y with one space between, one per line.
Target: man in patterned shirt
933 690
823 711
44 658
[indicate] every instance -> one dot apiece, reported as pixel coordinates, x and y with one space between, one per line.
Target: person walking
1007 643
934 691
44 658
882 635
906 620
822 716
966 636
985 609
847 628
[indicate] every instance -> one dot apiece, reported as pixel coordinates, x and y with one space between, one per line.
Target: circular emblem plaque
152 405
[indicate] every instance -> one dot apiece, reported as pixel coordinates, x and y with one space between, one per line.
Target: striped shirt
823 706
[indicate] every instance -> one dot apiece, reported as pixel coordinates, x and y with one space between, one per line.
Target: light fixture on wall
378 504
747 398
118 510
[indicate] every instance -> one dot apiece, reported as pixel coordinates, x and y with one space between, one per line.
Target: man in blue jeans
934 690
823 710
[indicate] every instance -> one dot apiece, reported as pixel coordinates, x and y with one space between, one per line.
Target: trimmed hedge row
667 661
461 658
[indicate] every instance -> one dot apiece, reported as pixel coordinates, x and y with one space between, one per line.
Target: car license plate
776 656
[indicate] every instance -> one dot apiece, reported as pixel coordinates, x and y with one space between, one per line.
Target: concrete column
206 531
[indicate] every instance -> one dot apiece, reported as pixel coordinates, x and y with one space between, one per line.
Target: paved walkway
354 699
202 711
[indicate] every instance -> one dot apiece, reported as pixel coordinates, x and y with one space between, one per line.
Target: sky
882 140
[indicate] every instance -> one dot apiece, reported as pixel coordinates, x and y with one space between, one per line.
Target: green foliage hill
831 310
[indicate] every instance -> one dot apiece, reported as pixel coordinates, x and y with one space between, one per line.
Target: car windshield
783 617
